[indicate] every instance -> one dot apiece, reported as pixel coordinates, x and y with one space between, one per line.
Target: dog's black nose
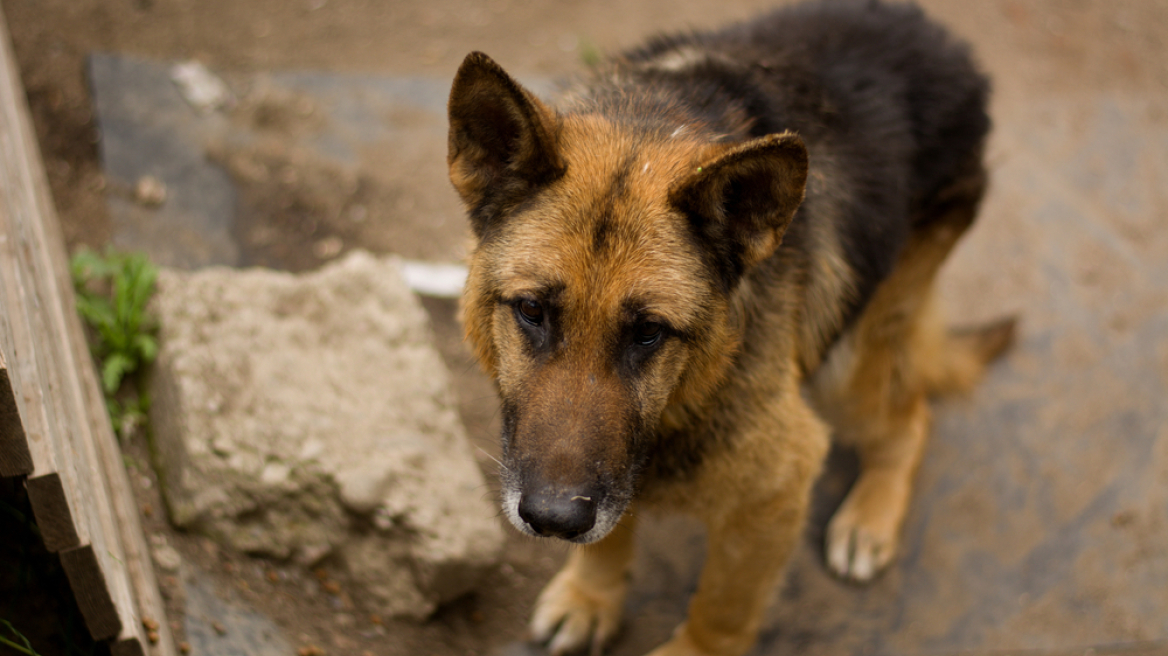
558 513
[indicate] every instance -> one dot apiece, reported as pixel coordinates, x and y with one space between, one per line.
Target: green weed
590 54
113 292
26 649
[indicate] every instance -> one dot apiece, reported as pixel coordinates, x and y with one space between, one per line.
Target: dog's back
891 108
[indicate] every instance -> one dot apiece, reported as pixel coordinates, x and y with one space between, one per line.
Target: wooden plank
50 505
15 460
140 599
24 329
136 553
138 560
77 473
92 591
66 499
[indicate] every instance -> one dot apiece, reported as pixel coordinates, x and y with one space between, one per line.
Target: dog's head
607 253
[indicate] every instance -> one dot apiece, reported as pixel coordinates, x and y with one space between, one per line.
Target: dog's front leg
747 555
751 538
583 603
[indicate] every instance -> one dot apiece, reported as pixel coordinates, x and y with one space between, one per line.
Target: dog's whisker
497 461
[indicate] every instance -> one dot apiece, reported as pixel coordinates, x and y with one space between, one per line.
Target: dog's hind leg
874 385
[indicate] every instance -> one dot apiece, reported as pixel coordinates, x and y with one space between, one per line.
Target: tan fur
875 386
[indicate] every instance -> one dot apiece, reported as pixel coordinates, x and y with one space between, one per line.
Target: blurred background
1041 524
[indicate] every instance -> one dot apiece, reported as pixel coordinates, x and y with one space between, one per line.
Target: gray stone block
300 417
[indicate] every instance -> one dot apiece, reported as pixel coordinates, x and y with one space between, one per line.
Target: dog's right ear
502 141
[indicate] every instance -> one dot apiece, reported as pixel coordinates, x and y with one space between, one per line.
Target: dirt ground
1030 47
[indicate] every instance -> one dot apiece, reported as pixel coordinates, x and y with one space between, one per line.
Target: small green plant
589 52
25 649
113 292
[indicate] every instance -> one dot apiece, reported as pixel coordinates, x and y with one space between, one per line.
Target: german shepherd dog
699 231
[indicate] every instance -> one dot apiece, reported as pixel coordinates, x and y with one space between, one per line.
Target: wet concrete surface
226 626
1040 521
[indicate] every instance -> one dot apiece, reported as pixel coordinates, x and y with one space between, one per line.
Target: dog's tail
963 354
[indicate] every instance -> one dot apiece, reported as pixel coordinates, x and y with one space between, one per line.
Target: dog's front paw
573 613
860 545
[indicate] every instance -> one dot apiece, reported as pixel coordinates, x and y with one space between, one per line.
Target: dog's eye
648 333
531 311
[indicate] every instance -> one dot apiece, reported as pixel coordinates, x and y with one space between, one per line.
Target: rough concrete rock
310 416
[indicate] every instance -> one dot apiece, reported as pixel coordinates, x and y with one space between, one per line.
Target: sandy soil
1029 47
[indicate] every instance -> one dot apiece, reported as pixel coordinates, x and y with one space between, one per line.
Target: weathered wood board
53 426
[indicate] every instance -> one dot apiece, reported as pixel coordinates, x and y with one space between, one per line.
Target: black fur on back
890 106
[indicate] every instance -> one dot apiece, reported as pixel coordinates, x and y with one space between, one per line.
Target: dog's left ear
741 202
502 140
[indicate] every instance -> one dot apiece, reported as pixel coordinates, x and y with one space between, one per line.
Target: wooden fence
53 425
